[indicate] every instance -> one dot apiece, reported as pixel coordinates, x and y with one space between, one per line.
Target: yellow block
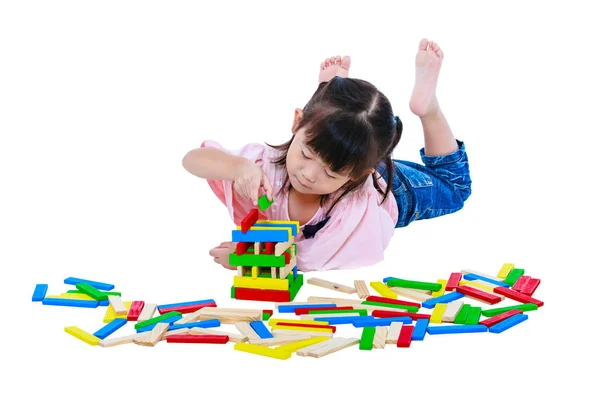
383 290
294 347
301 328
438 312
270 228
110 312
477 285
505 270
262 283
82 335
254 272
442 291
261 221
262 351
274 321
74 296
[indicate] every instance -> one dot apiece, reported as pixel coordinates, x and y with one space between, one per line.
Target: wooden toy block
332 346
446 298
520 297
375 305
442 290
72 296
254 273
294 226
293 347
183 304
488 287
209 323
154 337
496 311
361 289
284 339
264 202
302 328
513 276
135 310
420 329
111 314
473 272
283 332
333 300
452 283
438 311
48 301
262 234
122 340
339 310
333 320
380 337
263 283
462 315
306 350
262 351
530 287
97 285
379 299
280 248
505 270
473 316
449 329
249 220
261 294
82 335
232 337
181 331
118 306
389 314
521 281
169 321
480 295
285 271
393 332
260 260
241 247
331 285
155 320
275 321
261 329
405 337
273 273
229 315
91 291
270 248
366 339
475 277
246 330
304 311
500 317
407 284
451 311
267 314
307 325
292 308
110 328
412 294
383 290
40 292
186 309
75 291
215 339
361 323
508 323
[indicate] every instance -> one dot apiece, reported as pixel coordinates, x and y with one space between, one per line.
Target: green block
492 312
256 260
264 203
411 309
361 312
107 293
513 276
434 287
474 315
91 291
154 320
366 339
461 317
233 292
266 316
295 287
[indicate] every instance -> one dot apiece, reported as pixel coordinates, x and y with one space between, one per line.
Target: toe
346 62
338 60
332 60
322 66
423 44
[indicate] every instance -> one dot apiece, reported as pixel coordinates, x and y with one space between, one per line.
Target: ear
370 171
298 115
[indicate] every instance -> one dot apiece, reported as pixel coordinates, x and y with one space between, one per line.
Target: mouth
301 184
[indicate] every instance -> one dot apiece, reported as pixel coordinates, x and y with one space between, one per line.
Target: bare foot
334 66
221 254
428 63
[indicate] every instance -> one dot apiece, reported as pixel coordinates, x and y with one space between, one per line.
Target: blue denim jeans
439 187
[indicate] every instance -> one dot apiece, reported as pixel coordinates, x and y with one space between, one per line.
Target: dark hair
350 125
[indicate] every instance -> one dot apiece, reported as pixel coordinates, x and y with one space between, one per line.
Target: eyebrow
331 172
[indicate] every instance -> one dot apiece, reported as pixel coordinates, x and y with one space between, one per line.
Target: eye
304 155
330 176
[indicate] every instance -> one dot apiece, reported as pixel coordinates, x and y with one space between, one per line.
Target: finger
254 192
268 187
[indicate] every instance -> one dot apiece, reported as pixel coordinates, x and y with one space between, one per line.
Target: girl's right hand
249 179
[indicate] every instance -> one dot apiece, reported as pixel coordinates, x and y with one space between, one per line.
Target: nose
309 172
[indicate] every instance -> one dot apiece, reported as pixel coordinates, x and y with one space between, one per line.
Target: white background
100 101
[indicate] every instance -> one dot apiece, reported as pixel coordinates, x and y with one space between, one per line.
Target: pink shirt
356 235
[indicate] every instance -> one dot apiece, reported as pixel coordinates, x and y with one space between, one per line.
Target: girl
336 175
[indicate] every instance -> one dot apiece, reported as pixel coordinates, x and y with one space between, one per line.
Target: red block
486 297
241 247
530 287
135 310
330 327
520 297
392 301
186 309
287 257
521 281
452 283
219 339
500 317
270 312
390 314
278 296
270 248
249 220
405 336
303 311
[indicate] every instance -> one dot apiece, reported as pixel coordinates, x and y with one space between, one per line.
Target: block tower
265 257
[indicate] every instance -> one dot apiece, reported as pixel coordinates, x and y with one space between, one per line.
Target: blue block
293 226
97 285
508 323
260 236
209 323
164 321
187 303
440 330
70 303
388 278
445 298
103 303
261 330
40 292
343 320
472 277
291 308
109 328
420 329
380 321
295 271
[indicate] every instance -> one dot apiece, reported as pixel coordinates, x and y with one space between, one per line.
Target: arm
210 163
